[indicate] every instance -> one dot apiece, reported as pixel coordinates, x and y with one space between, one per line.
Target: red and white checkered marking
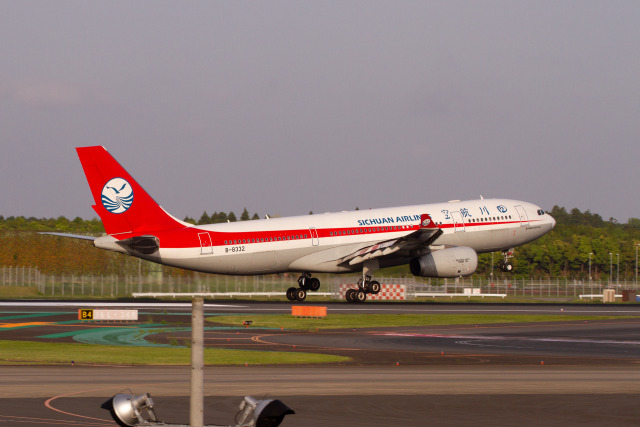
387 292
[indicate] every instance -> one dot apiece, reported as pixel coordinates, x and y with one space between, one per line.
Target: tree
245 215
204 219
218 217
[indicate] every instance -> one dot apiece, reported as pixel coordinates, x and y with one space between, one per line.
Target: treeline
577 237
219 217
60 224
79 225
21 245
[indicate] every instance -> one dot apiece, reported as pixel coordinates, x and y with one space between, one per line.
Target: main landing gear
365 286
305 283
505 265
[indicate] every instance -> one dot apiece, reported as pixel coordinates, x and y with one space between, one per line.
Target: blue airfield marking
129 335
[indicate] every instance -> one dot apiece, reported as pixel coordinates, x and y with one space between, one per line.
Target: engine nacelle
451 262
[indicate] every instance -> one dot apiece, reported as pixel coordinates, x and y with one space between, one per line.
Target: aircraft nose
552 221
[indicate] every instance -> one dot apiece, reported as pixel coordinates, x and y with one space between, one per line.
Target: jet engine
450 262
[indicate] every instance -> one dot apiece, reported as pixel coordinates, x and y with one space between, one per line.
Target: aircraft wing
423 237
73 236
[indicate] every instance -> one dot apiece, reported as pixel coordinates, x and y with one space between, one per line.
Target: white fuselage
318 243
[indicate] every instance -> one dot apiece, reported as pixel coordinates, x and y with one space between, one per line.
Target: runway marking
47 421
24 325
111 304
48 404
505 338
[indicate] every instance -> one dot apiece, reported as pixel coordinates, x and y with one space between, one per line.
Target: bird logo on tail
117 195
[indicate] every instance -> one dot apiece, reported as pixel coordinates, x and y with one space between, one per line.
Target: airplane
435 240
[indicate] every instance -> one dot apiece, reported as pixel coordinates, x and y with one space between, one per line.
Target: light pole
618 271
492 268
590 253
637 244
610 268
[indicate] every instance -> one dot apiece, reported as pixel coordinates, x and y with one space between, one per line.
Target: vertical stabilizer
122 204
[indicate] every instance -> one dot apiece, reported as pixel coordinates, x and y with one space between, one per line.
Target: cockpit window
540 212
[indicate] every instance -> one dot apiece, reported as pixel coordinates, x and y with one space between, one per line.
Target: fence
71 286
113 286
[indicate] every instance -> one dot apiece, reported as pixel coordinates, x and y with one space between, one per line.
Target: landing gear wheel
374 287
314 284
300 294
360 295
291 294
506 267
350 295
308 283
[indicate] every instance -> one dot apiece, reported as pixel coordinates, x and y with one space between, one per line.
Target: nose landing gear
505 265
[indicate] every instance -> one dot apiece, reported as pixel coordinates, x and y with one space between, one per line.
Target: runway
557 373
321 396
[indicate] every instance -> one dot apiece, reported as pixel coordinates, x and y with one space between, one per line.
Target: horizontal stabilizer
73 236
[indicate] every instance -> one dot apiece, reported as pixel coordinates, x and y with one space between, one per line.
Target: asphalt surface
561 373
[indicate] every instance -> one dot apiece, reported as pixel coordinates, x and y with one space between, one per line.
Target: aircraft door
206 247
315 241
524 219
458 222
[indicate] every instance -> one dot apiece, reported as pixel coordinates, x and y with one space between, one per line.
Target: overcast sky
289 107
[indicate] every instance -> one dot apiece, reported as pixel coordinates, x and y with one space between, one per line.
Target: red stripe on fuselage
188 237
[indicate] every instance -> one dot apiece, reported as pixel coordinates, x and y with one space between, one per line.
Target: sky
287 107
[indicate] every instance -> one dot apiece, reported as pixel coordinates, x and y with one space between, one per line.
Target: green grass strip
18 292
28 352
28 315
346 321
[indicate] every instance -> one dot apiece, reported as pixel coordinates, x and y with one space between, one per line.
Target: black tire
508 268
374 287
350 295
300 294
314 284
290 294
360 295
366 287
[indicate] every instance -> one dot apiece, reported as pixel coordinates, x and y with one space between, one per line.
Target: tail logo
117 195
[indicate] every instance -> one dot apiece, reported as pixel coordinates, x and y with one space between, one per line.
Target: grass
346 321
28 352
18 292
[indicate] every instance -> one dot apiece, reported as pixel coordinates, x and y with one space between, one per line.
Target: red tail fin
121 202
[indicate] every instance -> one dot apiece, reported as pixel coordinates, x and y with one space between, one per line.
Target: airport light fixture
128 411
261 413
